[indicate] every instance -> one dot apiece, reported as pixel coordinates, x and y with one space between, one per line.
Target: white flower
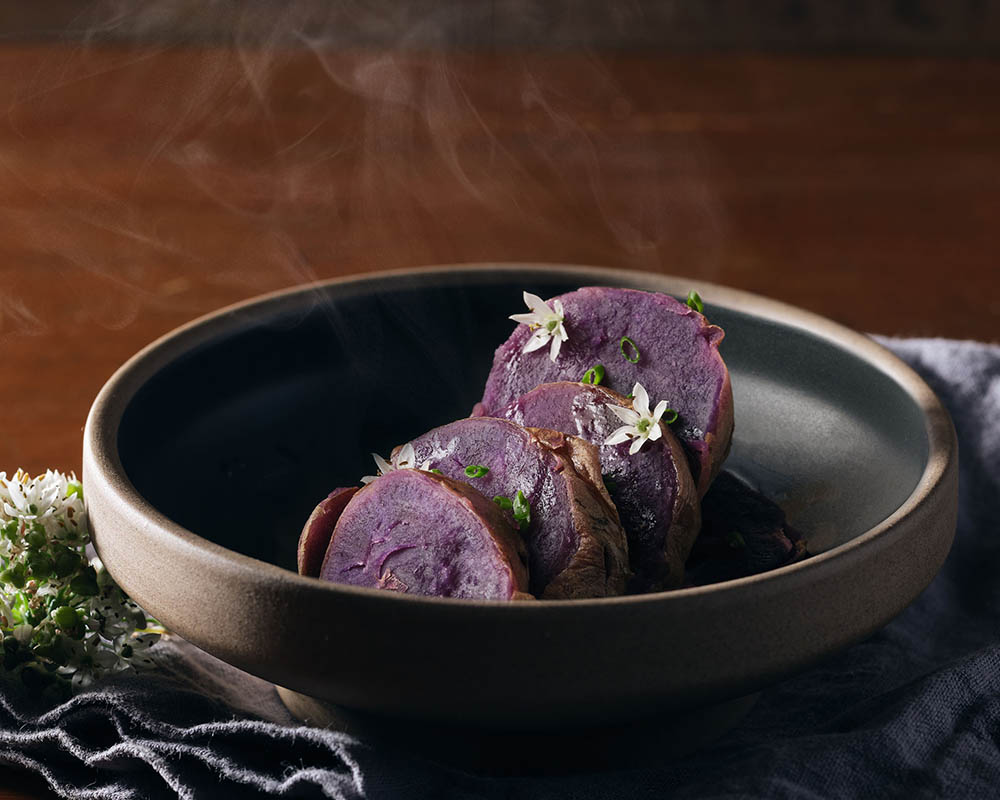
30 498
23 633
52 500
406 459
640 424
546 324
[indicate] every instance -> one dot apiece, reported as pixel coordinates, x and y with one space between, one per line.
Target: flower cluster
63 619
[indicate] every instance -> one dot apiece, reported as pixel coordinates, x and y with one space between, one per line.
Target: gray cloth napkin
913 711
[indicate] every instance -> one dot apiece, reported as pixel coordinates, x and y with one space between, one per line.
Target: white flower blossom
546 324
406 459
50 593
640 423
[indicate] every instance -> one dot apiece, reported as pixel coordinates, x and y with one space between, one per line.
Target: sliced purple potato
638 337
415 532
652 489
576 544
318 529
742 533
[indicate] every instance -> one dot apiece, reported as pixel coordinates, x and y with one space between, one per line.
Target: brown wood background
142 185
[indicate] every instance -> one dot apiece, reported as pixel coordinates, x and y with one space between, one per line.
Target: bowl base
634 744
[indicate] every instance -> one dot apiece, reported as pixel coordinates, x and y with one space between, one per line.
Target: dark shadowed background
160 160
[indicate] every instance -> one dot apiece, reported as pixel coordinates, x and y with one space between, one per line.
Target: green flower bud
66 617
35 540
41 566
15 576
85 583
10 530
66 563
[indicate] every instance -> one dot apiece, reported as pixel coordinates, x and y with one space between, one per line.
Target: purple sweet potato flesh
678 362
652 489
318 529
419 533
742 533
576 545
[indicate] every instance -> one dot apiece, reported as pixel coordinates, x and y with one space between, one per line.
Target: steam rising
265 145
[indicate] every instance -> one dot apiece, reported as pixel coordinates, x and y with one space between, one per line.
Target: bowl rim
107 410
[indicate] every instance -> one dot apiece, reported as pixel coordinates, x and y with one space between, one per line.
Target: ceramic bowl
204 454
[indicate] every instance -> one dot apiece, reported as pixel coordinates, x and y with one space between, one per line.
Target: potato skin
318 530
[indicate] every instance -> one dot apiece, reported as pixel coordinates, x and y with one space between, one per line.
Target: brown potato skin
602 556
318 530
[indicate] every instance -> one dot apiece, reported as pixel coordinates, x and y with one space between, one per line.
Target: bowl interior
242 434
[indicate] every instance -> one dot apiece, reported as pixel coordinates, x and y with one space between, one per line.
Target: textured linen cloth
912 711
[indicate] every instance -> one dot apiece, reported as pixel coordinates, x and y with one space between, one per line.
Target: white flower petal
658 412
554 349
23 633
654 432
557 304
368 479
527 319
626 415
536 304
561 330
637 443
406 458
622 434
640 400
537 340
383 465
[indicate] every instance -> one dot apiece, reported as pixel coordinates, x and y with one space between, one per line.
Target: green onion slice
503 502
694 301
476 471
594 375
522 511
669 416
632 358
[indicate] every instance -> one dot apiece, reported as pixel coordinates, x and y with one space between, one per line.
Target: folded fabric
912 711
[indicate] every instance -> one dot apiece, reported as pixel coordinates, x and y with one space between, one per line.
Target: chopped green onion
437 472
669 416
635 350
503 502
594 375
522 511
694 301
476 471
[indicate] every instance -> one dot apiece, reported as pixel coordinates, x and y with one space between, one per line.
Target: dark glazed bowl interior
206 452
241 437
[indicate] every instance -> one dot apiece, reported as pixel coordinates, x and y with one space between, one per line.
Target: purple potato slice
652 489
671 350
742 533
415 532
576 544
318 529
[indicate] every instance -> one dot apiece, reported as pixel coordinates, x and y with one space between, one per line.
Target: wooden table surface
145 185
